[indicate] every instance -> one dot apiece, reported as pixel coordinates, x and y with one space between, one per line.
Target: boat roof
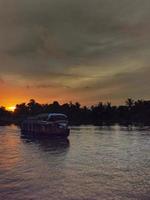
56 114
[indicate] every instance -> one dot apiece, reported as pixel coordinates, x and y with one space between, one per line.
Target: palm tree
130 103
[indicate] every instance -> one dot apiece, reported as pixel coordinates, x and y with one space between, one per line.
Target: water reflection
47 143
108 162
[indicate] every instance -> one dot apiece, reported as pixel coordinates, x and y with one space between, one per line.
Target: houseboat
49 125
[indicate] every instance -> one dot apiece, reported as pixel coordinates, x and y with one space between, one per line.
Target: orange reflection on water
8 159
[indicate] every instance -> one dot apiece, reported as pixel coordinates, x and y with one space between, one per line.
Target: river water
95 163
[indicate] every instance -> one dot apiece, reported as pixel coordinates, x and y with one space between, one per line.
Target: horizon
13 107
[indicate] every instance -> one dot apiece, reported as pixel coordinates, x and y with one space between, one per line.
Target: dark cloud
133 84
73 43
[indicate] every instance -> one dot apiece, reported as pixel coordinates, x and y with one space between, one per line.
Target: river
95 163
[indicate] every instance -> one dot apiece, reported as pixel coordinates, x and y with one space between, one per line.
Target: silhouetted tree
21 110
132 112
130 103
34 107
5 115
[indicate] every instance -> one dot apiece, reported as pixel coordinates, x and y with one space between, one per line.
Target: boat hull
44 129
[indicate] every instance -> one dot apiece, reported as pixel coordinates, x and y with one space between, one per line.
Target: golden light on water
11 108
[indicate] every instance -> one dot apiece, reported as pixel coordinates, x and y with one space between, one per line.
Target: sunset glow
11 108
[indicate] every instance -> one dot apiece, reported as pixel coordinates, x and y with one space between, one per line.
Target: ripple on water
109 163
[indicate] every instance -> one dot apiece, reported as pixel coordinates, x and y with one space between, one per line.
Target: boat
49 125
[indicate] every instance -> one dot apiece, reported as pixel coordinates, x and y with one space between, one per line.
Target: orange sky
12 95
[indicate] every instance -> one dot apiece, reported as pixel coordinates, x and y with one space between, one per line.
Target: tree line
133 111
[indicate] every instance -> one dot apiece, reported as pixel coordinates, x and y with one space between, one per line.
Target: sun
11 108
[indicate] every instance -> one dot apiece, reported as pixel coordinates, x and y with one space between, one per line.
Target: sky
74 50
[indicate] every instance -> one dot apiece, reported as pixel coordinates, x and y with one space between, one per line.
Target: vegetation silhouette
131 112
